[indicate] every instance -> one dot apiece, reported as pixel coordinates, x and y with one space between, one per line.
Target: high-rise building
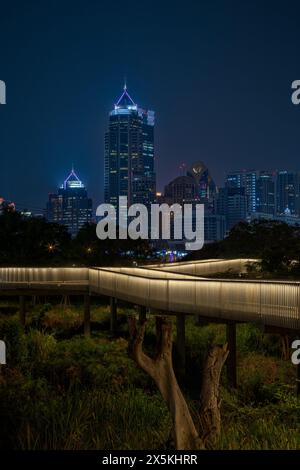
214 227
288 193
232 203
206 188
265 193
182 189
186 190
70 206
244 179
129 153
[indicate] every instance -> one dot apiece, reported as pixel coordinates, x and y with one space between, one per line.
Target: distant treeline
35 242
275 243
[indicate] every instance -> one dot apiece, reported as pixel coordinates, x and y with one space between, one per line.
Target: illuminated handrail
266 302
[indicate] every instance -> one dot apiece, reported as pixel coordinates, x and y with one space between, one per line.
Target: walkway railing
274 303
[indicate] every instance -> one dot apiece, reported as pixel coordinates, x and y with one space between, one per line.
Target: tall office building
70 206
129 153
206 187
186 190
232 203
182 189
265 193
244 179
288 193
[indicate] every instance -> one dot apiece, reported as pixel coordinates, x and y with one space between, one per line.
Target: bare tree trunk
161 370
285 344
210 417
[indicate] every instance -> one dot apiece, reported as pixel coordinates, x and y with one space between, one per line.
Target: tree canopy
33 241
275 243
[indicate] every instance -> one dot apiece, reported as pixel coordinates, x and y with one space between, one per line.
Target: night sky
217 73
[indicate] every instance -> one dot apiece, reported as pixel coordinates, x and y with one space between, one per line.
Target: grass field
63 391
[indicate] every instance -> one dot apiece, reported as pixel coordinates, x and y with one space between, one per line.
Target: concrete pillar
113 315
87 315
231 359
22 312
180 343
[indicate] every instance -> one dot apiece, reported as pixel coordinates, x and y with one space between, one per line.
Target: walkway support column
22 313
113 315
180 343
87 315
231 359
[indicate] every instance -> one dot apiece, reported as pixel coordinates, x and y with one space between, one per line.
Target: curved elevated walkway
173 288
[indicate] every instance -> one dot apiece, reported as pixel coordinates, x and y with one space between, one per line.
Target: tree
275 243
160 368
31 241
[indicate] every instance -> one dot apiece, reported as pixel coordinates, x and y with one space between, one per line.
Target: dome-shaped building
206 187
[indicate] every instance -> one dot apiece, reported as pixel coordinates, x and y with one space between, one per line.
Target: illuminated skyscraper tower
129 153
70 206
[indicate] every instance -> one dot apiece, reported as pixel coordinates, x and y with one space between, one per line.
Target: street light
51 247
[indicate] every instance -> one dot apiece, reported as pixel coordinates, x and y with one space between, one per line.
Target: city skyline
207 109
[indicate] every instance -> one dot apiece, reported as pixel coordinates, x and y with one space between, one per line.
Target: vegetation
26 241
63 391
275 244
35 242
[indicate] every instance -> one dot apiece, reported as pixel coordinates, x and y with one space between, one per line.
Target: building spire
125 101
72 181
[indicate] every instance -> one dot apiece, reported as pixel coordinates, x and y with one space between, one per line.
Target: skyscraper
70 206
129 153
288 192
265 193
244 179
232 203
182 189
187 190
206 188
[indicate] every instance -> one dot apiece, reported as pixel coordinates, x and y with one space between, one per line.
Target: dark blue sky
217 73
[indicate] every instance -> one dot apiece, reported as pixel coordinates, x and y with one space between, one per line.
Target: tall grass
64 391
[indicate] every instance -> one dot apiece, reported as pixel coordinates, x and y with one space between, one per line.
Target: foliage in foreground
69 392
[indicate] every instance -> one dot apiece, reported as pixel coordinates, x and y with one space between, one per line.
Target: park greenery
276 246
32 241
61 390
29 241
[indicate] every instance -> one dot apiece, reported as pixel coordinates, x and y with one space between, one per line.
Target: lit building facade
182 189
70 206
129 154
205 185
265 193
246 179
288 193
187 190
231 202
